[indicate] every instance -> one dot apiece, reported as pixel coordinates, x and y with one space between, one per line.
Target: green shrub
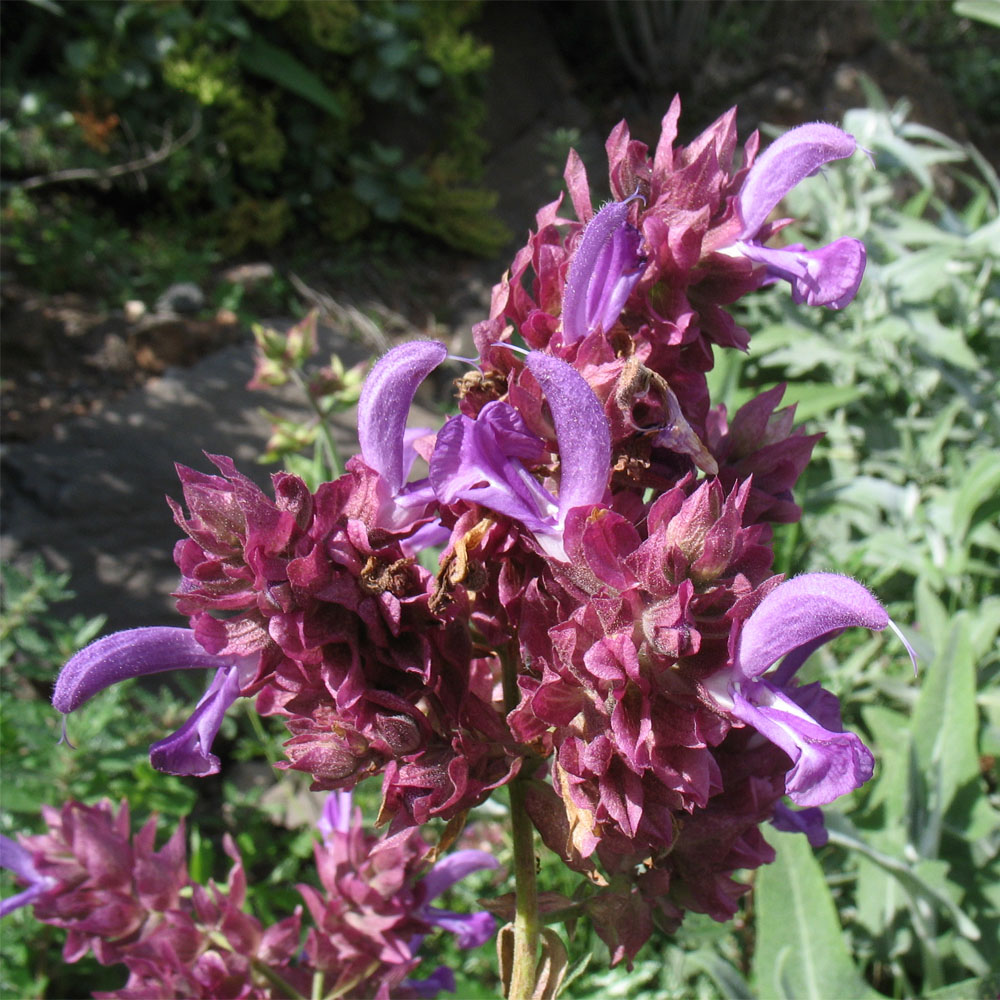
253 122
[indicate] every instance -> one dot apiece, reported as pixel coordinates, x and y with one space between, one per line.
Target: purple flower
606 267
829 276
791 622
375 912
470 929
15 858
141 651
483 460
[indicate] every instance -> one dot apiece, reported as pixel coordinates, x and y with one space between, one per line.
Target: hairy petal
605 268
131 653
789 159
800 611
581 429
385 402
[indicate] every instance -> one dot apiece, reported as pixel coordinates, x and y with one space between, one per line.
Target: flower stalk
329 445
526 919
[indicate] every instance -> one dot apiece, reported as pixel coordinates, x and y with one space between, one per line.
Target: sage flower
791 622
482 460
141 651
829 276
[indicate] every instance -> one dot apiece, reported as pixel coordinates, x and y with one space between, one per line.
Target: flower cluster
129 904
604 621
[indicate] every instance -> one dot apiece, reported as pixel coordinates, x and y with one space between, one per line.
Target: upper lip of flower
385 402
605 268
140 651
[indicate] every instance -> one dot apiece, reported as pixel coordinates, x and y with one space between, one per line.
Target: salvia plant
566 589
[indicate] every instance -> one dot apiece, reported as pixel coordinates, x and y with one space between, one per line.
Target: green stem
259 967
317 985
266 742
326 435
526 920
275 980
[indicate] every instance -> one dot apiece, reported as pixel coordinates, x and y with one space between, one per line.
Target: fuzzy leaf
801 953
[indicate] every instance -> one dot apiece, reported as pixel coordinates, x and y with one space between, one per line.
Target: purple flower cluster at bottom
129 904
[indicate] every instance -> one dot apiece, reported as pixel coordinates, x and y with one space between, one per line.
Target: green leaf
925 880
266 60
727 978
945 723
987 11
986 988
801 953
818 399
980 483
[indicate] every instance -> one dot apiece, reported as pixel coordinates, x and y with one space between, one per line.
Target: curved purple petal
442 979
385 402
188 751
825 764
18 860
582 432
829 276
471 929
338 814
605 268
454 868
132 653
800 611
789 159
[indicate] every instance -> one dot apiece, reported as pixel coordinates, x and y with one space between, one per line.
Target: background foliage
310 121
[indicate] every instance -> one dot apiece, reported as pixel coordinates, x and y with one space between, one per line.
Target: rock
90 497
163 340
134 310
248 274
183 297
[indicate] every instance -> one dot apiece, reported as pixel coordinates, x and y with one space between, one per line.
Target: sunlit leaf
801 952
